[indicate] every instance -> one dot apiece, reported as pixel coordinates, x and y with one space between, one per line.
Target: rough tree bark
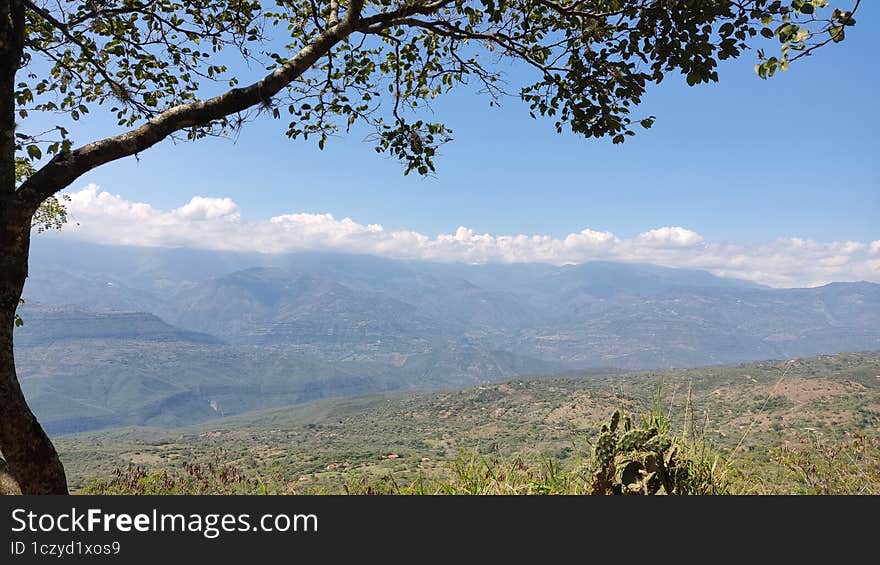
31 457
29 453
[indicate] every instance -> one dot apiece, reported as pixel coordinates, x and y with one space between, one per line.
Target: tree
182 68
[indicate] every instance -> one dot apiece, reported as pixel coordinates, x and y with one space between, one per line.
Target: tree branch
139 7
384 20
333 18
572 10
62 170
87 53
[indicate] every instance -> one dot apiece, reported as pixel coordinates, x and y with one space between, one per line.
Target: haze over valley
152 336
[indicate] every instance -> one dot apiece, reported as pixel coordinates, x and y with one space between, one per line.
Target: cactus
634 440
641 460
603 456
615 419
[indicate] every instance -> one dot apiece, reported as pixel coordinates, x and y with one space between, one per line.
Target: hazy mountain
595 314
89 370
164 336
52 325
263 305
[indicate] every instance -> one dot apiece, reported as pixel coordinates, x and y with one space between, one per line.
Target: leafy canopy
591 60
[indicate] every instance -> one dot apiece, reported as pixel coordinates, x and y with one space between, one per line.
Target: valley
172 337
744 413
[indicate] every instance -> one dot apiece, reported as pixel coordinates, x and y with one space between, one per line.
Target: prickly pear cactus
639 460
635 440
604 451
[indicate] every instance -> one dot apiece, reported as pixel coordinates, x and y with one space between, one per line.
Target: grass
837 468
817 466
674 465
805 426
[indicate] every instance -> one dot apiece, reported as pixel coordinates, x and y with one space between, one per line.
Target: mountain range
128 335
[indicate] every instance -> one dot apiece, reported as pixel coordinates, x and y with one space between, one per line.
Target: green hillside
743 411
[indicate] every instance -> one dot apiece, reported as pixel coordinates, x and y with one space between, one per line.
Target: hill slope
754 406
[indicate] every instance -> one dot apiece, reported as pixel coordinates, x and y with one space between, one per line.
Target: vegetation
214 477
638 460
647 460
644 460
718 430
168 69
815 465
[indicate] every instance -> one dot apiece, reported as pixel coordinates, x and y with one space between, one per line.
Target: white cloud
215 223
201 208
670 237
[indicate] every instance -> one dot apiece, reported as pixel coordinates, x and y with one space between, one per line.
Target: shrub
193 478
816 466
648 460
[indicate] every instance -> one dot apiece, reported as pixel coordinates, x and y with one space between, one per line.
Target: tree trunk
31 457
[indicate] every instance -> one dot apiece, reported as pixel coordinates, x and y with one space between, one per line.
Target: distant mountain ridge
594 314
136 336
46 325
85 370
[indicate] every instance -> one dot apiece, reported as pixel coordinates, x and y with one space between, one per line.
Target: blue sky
743 162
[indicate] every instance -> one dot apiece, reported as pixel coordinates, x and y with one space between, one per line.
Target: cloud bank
215 223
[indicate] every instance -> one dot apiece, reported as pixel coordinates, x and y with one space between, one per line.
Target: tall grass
624 458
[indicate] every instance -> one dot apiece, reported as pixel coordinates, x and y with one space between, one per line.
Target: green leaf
34 152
